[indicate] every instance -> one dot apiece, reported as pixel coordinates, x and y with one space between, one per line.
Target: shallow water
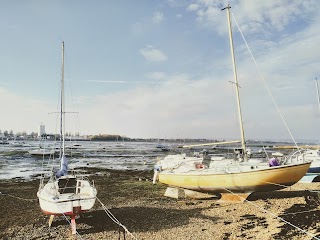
16 162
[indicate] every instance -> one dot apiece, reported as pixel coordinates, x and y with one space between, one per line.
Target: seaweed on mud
304 216
254 221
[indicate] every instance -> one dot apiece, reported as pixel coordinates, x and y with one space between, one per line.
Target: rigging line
318 95
313 210
265 82
274 215
72 98
114 219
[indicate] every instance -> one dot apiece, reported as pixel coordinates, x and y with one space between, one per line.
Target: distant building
42 130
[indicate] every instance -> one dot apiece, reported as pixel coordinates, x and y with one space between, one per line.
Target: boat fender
155 177
157 170
273 162
199 166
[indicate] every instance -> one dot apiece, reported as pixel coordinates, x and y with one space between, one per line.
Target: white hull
56 201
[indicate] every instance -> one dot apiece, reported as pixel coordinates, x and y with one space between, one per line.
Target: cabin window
67 185
79 187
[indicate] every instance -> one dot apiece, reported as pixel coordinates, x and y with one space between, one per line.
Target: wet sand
141 207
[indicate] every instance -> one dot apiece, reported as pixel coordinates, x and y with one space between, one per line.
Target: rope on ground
69 222
114 219
274 215
25 199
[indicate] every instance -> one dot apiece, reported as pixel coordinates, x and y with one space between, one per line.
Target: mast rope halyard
262 77
114 219
318 95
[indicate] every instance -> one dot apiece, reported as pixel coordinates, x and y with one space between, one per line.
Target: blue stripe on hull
314 170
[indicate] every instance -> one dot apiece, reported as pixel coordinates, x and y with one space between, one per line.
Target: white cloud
178 105
157 75
148 101
152 54
157 17
23 113
193 7
253 16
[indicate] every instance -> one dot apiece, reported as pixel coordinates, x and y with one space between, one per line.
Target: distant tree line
9 135
107 137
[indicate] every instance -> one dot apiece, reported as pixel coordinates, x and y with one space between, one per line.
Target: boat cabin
67 185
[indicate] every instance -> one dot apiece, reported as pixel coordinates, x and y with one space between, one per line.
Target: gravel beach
141 207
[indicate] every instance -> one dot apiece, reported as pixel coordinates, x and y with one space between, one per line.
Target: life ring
199 166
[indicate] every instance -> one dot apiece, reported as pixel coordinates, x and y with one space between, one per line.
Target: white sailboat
234 178
44 150
65 193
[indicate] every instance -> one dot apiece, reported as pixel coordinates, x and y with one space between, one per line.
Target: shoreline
141 207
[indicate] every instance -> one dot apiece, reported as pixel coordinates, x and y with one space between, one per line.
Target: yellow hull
270 179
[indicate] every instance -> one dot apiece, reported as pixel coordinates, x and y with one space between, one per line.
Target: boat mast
243 143
62 115
317 86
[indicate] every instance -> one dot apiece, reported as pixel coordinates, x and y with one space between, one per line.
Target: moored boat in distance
41 152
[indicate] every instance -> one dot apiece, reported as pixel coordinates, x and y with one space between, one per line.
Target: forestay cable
265 82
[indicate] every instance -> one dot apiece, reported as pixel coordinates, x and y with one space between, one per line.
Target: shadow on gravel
304 216
277 195
140 219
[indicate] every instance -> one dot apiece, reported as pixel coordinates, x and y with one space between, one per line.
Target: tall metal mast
62 111
243 143
317 86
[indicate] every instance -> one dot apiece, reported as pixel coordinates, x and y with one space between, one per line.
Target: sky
161 68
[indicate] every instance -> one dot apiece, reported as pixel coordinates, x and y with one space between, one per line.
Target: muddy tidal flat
141 207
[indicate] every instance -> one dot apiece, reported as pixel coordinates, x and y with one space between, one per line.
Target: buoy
199 166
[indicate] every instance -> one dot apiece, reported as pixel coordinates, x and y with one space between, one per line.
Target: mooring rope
114 219
25 199
274 215
69 222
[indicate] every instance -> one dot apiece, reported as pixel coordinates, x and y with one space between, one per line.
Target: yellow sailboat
234 178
